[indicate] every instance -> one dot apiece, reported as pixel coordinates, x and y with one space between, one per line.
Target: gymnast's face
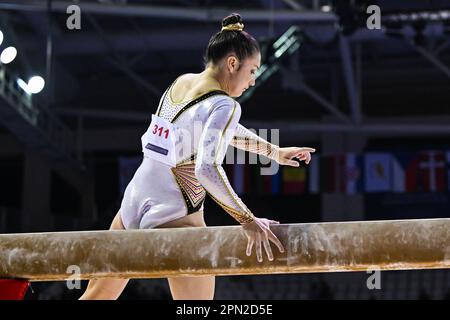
242 73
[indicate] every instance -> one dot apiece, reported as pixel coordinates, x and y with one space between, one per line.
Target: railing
36 126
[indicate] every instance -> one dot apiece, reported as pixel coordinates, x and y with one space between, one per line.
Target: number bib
158 142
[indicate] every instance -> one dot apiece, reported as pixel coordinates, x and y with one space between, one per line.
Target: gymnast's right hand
258 232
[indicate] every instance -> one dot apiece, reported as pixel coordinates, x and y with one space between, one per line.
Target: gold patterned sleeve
214 140
246 140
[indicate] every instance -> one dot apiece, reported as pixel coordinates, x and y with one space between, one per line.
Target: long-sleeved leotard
246 140
159 193
217 134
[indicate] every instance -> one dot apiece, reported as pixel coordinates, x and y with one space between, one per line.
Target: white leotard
159 193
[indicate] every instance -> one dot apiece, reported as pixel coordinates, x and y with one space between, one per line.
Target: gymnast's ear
232 63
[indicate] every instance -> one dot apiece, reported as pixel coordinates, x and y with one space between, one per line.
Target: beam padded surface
313 247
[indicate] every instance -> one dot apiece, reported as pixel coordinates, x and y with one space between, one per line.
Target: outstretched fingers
267 247
261 238
258 247
275 240
250 243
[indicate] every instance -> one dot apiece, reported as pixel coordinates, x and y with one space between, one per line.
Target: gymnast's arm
215 138
219 130
246 140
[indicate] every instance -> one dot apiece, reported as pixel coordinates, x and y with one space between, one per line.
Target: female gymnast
168 190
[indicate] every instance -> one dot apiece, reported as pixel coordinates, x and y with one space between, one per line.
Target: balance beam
311 247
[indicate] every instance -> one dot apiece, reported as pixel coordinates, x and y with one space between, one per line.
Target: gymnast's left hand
286 155
259 234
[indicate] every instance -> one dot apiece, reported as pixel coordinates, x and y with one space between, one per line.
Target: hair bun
232 19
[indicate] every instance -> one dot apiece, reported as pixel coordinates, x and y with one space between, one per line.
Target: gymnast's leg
106 289
190 288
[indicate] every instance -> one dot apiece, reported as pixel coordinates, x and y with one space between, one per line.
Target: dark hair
241 43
